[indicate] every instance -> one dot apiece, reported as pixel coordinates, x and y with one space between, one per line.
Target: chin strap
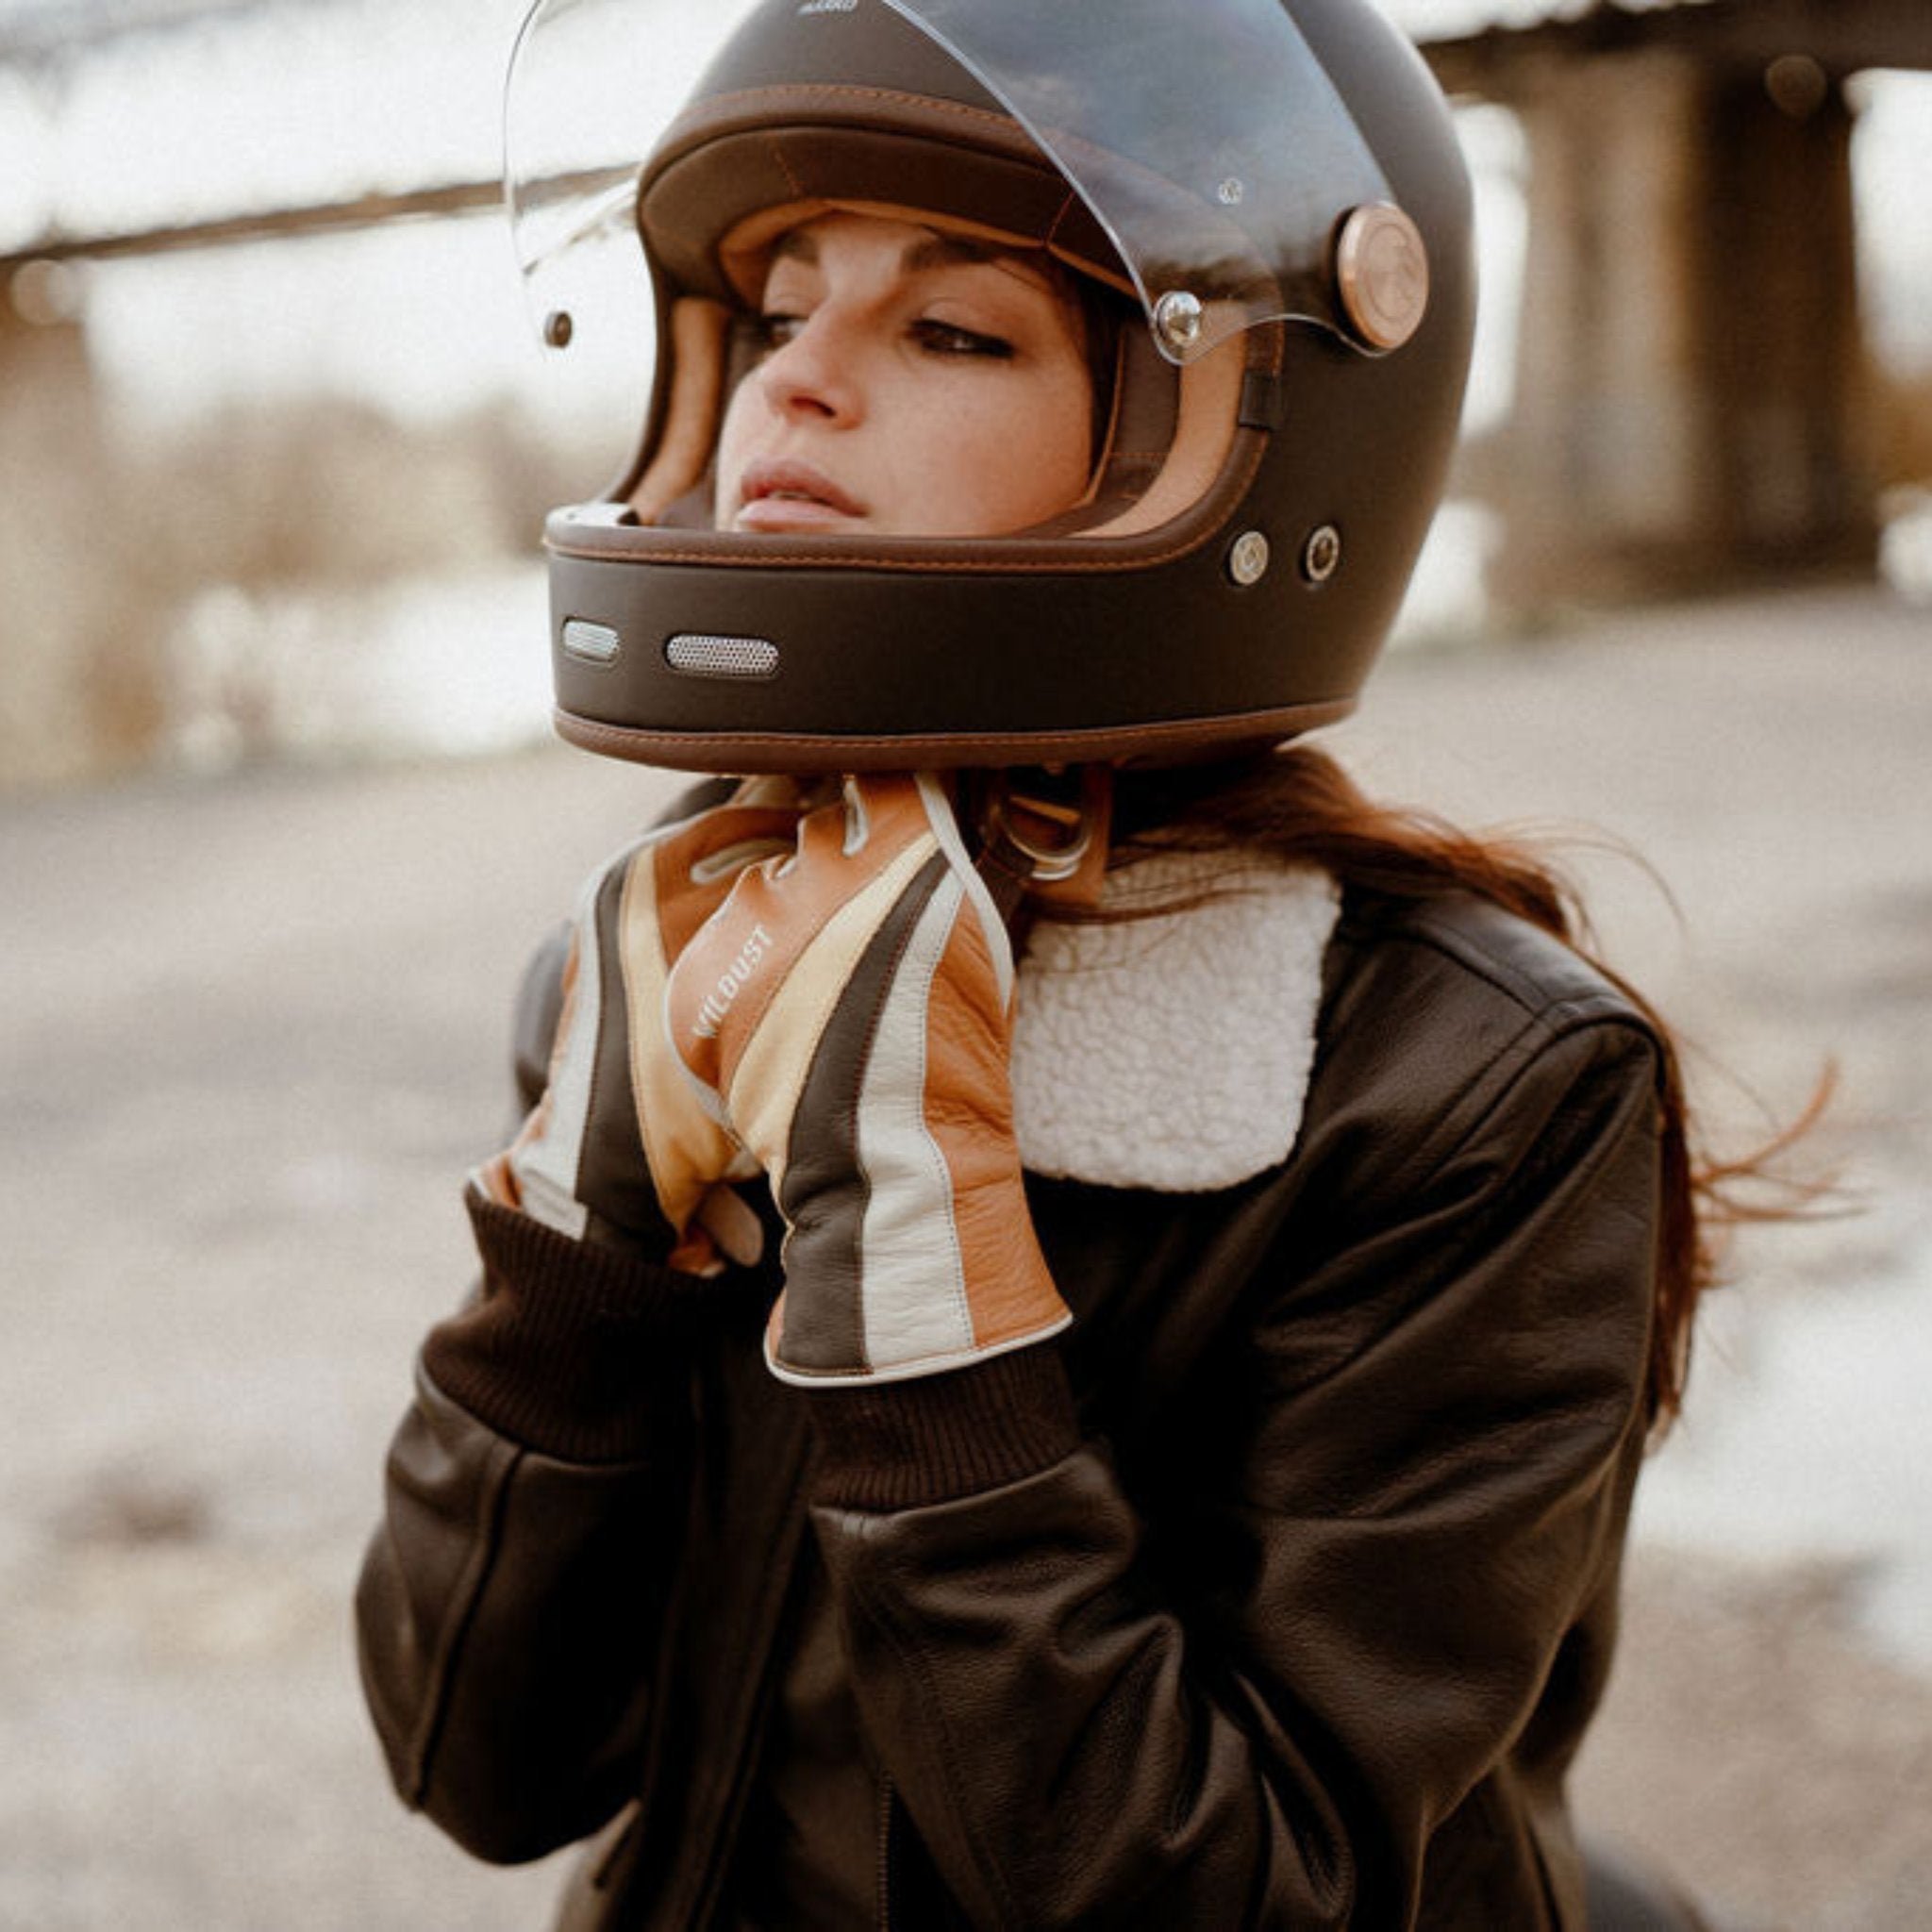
1042 833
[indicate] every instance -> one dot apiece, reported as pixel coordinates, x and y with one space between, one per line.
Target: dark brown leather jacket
1276 1592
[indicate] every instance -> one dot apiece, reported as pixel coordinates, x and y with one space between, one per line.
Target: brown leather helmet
1274 186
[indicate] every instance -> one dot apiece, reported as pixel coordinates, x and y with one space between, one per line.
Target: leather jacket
1277 1592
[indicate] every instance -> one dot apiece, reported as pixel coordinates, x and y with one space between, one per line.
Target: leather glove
849 1012
620 1151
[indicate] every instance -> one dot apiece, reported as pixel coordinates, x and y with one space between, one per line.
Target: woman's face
911 383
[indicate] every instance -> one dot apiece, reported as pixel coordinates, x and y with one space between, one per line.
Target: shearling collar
1173 1051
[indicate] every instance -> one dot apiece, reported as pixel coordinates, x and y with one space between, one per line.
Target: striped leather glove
620 1151
848 1011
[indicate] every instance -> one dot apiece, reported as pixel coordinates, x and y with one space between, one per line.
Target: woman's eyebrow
960 251
930 251
946 251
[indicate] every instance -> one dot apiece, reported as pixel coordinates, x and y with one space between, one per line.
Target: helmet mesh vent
699 654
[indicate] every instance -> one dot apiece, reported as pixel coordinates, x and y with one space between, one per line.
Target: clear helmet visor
592 85
1205 138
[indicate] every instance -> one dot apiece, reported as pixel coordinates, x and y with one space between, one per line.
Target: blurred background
280 817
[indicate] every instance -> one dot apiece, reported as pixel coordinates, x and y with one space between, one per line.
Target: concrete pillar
82 694
1785 380
1690 387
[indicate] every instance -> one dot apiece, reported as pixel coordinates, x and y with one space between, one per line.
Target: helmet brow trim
746 247
738 154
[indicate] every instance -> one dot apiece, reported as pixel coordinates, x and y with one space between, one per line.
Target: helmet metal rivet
1322 554
1177 318
1247 561
559 328
1232 192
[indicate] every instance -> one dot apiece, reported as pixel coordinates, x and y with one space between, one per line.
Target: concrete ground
252 1035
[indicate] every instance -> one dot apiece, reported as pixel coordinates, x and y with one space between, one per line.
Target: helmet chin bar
673 659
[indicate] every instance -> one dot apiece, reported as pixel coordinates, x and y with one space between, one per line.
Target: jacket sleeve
535 1507
1410 1470
535 1500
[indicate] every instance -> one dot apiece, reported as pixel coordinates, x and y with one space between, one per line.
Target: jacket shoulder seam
1552 984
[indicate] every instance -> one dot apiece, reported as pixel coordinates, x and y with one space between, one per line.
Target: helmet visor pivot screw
1177 320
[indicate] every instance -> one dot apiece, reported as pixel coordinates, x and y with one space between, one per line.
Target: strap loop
1044 835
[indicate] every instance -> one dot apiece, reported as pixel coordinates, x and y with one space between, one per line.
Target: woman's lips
786 495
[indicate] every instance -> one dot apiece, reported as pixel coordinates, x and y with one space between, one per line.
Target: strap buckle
1045 833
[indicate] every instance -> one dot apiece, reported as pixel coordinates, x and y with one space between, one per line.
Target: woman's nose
811 372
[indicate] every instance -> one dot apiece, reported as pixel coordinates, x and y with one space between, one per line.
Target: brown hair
1301 806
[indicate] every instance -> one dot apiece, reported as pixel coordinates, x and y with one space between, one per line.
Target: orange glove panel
620 1149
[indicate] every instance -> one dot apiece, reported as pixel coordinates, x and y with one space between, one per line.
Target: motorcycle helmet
1271 193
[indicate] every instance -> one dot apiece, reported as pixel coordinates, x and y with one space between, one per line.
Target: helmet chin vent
592 643
699 654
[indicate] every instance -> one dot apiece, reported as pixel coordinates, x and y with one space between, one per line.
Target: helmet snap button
1322 554
1247 561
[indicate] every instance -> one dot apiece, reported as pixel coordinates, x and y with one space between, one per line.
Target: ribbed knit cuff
572 1349
901 1444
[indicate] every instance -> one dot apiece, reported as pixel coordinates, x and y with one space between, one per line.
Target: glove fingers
695 864
794 929
578 1163
617 1139
824 1184
900 800
731 1222
800 924
902 1183
679 1144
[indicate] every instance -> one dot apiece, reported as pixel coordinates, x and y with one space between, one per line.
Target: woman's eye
948 339
773 329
